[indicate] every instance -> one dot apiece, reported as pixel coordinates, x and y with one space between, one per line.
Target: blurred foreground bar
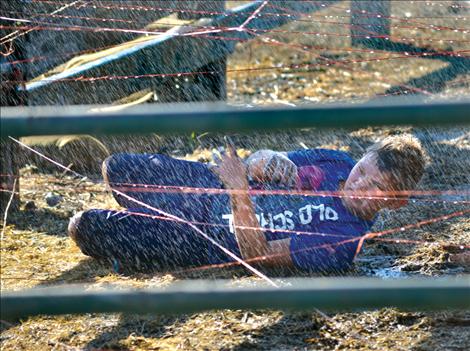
216 117
294 294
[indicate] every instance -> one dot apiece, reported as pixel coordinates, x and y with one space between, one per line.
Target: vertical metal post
370 22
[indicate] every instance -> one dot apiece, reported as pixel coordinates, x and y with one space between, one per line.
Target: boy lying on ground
311 233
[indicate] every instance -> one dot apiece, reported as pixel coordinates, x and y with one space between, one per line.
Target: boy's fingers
229 142
231 151
291 176
270 169
277 175
284 174
230 147
277 170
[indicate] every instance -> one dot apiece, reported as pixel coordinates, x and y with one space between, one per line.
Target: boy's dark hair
403 157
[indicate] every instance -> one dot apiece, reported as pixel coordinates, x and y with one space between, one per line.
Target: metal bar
297 294
222 118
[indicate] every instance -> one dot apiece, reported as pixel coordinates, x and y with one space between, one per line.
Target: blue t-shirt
327 220
320 227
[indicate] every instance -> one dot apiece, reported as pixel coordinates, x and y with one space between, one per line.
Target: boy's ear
395 204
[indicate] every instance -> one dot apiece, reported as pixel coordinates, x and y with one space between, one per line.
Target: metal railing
206 117
197 296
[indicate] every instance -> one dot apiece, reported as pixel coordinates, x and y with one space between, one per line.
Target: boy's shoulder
321 169
308 157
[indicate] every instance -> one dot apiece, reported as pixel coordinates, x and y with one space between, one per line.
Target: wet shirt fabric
335 245
323 233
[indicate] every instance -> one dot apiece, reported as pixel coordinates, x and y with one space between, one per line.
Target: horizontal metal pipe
196 296
183 118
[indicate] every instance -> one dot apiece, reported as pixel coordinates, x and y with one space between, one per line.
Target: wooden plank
56 46
175 52
369 18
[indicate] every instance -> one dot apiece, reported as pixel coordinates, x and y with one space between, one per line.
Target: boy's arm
250 236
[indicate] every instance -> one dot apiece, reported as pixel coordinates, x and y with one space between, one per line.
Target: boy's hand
231 170
272 167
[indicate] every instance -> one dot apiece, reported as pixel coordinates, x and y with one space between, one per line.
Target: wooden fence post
370 19
10 74
10 181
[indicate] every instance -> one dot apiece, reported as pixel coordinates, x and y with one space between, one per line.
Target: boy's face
366 179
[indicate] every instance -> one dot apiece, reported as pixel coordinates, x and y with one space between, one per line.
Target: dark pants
135 238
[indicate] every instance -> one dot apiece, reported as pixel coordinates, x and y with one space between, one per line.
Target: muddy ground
35 250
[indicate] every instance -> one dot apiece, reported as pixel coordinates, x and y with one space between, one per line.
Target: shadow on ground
43 220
